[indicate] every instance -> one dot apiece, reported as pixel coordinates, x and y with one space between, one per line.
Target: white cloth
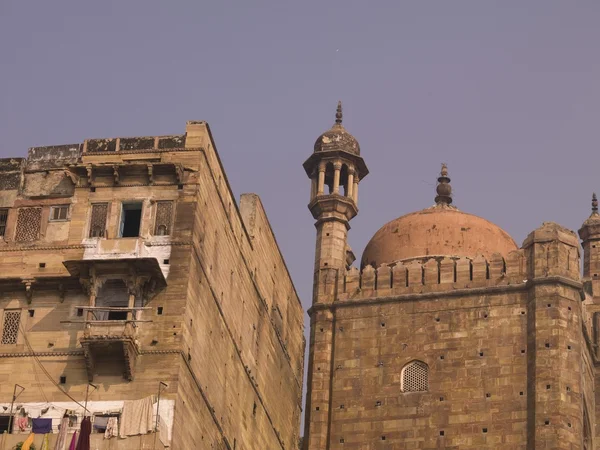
112 428
164 432
136 417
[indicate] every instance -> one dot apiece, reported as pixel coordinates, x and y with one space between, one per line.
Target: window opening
131 219
4 421
98 220
112 294
101 422
58 213
3 220
10 326
415 377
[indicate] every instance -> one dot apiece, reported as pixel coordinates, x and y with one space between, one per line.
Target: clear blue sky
506 92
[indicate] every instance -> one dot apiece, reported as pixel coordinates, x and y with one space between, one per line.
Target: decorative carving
10 327
98 220
28 290
415 377
150 174
61 292
28 224
116 173
90 174
164 218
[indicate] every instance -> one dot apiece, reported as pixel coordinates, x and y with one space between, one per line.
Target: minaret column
337 167
321 185
350 183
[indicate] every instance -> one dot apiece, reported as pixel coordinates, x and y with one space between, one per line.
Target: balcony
109 339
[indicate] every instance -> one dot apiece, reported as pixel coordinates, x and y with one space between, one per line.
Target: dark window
3 220
112 294
101 422
131 218
4 424
59 213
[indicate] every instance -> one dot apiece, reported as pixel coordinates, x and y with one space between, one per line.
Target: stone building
449 335
128 272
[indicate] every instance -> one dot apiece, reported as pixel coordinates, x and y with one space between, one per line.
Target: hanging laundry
84 434
41 426
73 442
22 423
112 428
137 417
164 432
61 439
27 444
46 443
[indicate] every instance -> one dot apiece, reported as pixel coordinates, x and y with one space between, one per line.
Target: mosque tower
335 169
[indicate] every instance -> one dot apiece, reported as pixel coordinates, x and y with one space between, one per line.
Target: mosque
449 335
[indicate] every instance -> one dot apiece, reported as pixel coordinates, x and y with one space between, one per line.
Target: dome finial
594 204
443 189
338 113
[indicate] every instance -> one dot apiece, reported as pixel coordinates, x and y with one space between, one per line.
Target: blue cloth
41 426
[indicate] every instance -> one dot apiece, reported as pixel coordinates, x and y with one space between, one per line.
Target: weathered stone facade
457 339
126 262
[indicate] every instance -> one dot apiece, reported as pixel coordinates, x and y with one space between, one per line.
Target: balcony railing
114 339
97 322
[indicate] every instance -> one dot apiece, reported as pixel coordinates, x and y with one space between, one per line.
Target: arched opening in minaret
329 172
344 180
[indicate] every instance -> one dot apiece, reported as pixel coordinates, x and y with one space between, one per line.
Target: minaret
335 169
590 237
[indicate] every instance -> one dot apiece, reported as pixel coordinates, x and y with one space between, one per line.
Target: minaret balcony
333 206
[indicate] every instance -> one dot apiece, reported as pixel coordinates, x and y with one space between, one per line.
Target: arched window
415 377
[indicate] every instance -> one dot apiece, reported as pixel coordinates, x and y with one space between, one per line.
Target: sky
507 93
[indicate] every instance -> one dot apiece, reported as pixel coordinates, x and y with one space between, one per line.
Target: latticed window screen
164 217
415 377
3 220
10 327
28 224
98 220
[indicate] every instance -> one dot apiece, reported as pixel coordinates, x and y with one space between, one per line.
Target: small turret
590 237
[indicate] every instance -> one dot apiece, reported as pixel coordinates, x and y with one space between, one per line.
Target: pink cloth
73 441
23 422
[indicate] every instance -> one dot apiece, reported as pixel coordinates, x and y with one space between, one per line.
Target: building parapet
432 275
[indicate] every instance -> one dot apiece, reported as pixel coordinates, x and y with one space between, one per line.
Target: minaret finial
594 204
338 113
443 189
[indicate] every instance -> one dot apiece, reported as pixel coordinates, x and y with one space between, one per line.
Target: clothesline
136 416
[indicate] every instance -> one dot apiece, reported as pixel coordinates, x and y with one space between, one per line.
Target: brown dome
441 230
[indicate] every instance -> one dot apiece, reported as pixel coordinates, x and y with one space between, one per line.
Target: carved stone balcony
110 345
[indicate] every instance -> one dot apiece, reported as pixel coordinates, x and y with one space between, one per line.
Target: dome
337 138
441 230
